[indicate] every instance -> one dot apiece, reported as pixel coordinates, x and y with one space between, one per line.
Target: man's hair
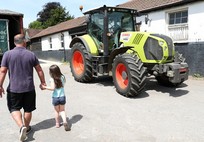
19 39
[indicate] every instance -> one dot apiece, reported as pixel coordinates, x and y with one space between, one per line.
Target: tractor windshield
119 22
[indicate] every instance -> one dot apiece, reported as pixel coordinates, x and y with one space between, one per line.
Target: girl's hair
56 74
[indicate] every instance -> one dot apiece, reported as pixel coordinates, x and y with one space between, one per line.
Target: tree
35 25
58 15
53 13
45 14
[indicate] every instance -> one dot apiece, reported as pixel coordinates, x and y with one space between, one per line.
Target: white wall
158 21
56 41
156 24
196 22
67 40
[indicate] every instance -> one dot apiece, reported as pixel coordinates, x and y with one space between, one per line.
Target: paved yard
98 114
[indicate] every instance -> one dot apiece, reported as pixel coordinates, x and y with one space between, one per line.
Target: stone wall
194 54
58 55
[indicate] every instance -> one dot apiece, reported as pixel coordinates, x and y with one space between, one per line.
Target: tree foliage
51 14
35 25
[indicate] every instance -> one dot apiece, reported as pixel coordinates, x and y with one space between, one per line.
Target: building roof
64 26
33 32
149 5
9 12
140 5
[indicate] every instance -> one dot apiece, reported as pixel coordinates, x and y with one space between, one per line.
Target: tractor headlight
161 43
170 73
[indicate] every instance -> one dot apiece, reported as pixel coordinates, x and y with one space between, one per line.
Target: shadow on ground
177 91
103 80
151 84
49 123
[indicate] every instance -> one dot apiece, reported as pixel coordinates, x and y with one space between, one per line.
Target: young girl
57 82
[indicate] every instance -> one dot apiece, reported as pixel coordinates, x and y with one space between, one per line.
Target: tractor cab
105 25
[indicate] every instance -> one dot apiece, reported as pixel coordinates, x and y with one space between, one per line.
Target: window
62 40
178 17
178 25
96 26
50 40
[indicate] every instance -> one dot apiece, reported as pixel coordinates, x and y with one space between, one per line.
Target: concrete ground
98 114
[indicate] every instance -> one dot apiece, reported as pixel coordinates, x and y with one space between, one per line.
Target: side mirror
146 20
138 14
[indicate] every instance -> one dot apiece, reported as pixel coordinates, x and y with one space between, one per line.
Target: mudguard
88 42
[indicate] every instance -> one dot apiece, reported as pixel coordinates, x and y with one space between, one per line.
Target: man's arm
40 74
3 72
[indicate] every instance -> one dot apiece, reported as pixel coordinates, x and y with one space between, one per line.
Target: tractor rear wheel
129 75
80 64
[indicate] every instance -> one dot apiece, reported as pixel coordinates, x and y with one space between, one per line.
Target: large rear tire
80 64
129 75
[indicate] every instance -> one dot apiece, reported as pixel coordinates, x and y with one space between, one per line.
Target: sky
30 8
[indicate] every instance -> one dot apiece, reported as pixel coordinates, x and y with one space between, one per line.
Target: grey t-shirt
20 63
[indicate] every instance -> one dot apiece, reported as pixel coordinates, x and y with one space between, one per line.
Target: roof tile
62 27
140 5
143 5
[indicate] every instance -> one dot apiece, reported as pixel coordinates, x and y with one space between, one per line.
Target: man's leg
28 106
14 105
27 118
17 116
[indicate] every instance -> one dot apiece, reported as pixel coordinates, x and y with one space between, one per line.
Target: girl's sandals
57 125
66 127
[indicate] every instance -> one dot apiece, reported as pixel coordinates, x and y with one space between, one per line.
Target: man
19 62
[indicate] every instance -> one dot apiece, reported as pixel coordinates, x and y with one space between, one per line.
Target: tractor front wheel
80 64
129 75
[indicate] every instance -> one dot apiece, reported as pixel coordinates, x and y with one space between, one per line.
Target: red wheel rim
122 76
78 62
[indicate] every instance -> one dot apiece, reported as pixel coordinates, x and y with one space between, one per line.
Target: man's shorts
17 101
58 100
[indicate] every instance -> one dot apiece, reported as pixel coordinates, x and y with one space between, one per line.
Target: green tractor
112 47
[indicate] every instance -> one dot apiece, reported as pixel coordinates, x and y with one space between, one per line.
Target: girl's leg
57 111
64 118
62 113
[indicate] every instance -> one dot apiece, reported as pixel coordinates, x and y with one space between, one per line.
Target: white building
58 37
181 20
